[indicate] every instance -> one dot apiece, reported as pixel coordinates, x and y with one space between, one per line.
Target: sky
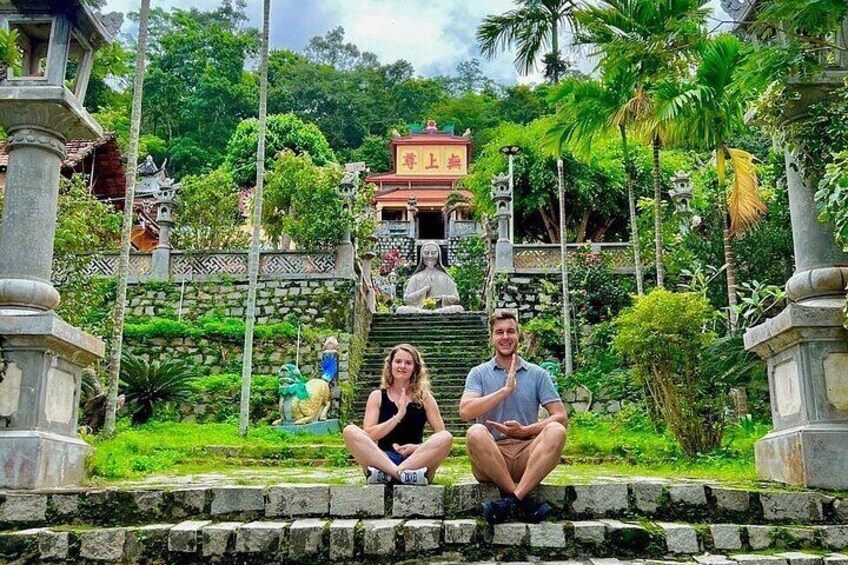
434 35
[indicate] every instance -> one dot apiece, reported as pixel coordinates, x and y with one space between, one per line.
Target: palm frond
744 201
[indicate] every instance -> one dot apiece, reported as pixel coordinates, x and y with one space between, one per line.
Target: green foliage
10 53
208 217
196 89
594 190
285 132
469 272
832 196
212 326
663 334
302 201
600 368
221 394
146 384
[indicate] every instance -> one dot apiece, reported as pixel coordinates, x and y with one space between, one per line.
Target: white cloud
433 35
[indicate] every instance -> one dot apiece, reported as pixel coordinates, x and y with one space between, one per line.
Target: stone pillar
806 348
43 355
161 259
412 216
502 195
344 249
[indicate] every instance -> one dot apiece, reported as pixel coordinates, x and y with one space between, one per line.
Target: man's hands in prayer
511 380
511 428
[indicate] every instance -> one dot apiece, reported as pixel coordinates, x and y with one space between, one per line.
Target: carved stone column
165 203
806 345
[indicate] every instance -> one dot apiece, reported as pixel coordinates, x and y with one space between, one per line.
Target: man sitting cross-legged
508 445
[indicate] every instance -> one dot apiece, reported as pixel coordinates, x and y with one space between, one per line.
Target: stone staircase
451 345
646 522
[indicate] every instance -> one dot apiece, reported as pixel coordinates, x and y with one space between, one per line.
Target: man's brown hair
503 314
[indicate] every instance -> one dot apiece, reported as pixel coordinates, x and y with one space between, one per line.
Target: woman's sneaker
416 477
374 476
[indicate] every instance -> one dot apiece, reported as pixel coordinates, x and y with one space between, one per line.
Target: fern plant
146 384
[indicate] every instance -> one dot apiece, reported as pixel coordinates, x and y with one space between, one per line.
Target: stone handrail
545 257
463 228
388 228
211 265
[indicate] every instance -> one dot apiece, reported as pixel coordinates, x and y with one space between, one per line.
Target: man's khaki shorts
516 453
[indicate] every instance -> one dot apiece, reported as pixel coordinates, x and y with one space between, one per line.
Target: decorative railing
140 266
389 228
465 228
272 265
546 258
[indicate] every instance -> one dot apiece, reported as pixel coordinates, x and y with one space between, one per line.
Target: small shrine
414 200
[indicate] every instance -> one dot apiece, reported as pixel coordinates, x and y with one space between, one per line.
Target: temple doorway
431 225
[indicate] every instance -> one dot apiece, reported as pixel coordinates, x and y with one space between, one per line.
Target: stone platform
645 521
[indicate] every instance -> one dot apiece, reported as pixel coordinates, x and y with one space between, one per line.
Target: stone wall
318 302
403 244
528 294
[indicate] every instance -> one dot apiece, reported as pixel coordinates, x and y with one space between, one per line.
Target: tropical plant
209 217
10 54
145 384
590 108
655 39
664 334
533 26
711 108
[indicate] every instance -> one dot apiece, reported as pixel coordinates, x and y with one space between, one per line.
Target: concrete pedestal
39 400
806 349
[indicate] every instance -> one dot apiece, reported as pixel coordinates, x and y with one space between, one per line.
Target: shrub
469 272
146 384
664 334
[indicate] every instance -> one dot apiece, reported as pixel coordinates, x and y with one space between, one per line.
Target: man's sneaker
374 476
500 510
534 509
416 477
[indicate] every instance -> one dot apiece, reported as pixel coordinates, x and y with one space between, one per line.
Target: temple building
419 200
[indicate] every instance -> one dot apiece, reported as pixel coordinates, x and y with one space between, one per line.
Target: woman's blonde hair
419 382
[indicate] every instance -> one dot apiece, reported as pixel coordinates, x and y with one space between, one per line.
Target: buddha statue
430 280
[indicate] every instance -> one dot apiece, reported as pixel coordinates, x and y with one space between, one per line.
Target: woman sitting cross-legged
390 445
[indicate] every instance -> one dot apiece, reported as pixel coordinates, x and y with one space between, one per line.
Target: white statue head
431 258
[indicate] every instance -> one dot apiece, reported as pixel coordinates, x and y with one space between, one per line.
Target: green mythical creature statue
302 401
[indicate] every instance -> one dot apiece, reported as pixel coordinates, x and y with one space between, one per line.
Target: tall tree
253 259
114 369
656 40
589 108
712 107
532 27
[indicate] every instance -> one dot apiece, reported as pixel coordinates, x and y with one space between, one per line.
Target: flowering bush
391 261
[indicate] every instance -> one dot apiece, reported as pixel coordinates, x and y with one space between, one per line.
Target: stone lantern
166 202
681 195
502 196
806 345
411 214
348 188
43 355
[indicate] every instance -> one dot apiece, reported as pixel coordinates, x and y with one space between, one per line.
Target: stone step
351 538
777 511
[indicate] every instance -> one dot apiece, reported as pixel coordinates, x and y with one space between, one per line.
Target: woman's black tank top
408 430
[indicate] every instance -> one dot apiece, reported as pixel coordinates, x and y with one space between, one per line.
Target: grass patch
597 446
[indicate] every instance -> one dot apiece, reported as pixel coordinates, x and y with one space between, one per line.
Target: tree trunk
550 226
658 234
114 369
730 262
555 45
253 259
601 231
581 227
631 200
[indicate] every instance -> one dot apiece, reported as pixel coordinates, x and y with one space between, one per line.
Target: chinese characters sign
431 160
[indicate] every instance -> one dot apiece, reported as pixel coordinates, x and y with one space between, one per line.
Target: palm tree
588 108
253 257
656 39
533 26
114 369
711 107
